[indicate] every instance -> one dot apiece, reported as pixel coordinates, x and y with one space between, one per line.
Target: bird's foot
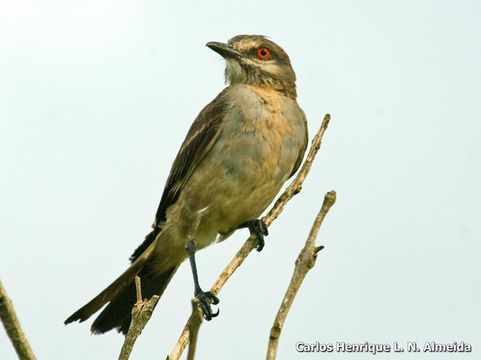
259 229
206 298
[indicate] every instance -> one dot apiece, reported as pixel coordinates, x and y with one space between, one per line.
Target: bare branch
12 326
194 327
294 188
189 334
305 261
141 313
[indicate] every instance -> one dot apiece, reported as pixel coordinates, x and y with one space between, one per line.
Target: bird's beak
223 49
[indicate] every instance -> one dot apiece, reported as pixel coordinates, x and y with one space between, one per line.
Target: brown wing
199 140
303 148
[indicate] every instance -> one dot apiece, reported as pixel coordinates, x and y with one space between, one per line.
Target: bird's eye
263 53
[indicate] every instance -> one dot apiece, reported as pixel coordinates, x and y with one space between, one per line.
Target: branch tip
138 290
330 198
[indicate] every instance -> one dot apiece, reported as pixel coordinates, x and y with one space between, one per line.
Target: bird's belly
237 181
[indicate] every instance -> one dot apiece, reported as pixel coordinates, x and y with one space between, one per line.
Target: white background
96 97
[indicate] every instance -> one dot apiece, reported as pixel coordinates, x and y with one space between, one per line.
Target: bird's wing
199 140
303 147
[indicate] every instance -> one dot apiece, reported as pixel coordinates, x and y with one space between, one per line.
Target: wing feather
202 135
303 148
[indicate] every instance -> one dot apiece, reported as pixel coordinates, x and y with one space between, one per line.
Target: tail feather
113 290
117 314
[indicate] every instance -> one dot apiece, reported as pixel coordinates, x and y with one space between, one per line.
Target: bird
240 150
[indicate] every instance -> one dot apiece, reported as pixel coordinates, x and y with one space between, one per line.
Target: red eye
263 53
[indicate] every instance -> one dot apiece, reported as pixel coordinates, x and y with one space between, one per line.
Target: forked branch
305 262
141 313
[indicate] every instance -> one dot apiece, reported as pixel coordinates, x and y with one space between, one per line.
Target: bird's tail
117 314
121 296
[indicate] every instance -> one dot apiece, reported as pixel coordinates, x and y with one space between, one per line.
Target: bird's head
255 60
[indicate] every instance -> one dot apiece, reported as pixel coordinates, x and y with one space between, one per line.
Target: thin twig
141 313
194 327
138 290
186 336
294 188
13 328
305 261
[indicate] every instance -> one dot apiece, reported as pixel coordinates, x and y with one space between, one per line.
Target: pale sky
97 96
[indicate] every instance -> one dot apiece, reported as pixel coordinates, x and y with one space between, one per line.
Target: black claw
215 299
206 298
259 229
260 243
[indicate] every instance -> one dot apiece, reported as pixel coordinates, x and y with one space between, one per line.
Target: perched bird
238 153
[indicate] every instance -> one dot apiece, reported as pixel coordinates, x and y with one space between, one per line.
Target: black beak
223 49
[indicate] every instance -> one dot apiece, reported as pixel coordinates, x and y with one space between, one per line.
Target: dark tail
121 295
117 314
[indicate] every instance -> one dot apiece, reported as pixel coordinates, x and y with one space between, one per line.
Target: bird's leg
206 298
259 229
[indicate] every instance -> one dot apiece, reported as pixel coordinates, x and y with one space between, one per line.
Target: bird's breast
264 133
262 136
